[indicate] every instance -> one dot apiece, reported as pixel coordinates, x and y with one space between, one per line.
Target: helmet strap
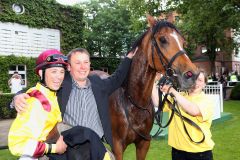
43 77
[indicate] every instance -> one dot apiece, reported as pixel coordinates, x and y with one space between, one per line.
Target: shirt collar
88 84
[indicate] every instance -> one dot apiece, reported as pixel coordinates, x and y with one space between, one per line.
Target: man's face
79 66
54 77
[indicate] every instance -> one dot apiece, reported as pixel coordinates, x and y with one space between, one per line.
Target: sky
70 2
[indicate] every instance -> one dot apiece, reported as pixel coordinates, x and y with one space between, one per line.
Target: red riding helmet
50 58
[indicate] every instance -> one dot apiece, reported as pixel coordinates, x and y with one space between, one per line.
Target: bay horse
160 49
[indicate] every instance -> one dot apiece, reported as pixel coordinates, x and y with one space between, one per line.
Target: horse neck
140 79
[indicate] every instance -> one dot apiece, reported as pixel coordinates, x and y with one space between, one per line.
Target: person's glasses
56 58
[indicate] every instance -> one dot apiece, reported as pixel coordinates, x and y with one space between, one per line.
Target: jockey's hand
132 53
20 102
60 145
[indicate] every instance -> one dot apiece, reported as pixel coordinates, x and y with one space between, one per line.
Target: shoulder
94 77
204 100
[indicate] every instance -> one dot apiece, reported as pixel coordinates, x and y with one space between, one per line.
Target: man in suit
83 99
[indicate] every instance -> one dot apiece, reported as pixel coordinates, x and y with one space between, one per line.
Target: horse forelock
161 24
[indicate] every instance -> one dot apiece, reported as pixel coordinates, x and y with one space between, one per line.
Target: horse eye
163 40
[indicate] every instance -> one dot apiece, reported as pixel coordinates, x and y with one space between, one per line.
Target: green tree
139 9
206 21
107 32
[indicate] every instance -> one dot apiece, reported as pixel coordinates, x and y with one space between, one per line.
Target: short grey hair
76 50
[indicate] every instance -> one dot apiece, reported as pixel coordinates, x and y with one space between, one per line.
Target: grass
6 155
226 136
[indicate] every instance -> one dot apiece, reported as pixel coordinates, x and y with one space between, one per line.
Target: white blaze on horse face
175 36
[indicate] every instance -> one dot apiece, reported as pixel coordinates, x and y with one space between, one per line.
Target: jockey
28 133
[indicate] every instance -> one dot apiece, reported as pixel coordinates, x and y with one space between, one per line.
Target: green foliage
5 111
139 9
48 14
110 63
205 22
235 94
108 28
7 61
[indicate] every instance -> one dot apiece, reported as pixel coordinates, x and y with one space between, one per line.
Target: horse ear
151 20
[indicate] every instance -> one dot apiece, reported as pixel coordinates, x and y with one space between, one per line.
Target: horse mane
138 41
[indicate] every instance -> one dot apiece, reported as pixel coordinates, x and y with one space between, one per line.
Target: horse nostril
188 74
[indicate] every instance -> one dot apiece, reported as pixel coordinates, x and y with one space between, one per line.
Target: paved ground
4 127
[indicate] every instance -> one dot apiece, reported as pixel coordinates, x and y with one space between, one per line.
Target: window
22 70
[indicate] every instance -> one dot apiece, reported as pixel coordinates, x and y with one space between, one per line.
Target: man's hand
60 145
158 76
20 102
132 53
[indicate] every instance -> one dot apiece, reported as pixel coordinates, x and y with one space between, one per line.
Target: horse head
163 44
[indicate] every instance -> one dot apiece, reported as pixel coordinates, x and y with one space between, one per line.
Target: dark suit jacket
83 143
102 89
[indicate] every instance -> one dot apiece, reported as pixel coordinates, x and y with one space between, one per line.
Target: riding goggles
57 58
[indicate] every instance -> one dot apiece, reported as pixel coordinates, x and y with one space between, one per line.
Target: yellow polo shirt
178 138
